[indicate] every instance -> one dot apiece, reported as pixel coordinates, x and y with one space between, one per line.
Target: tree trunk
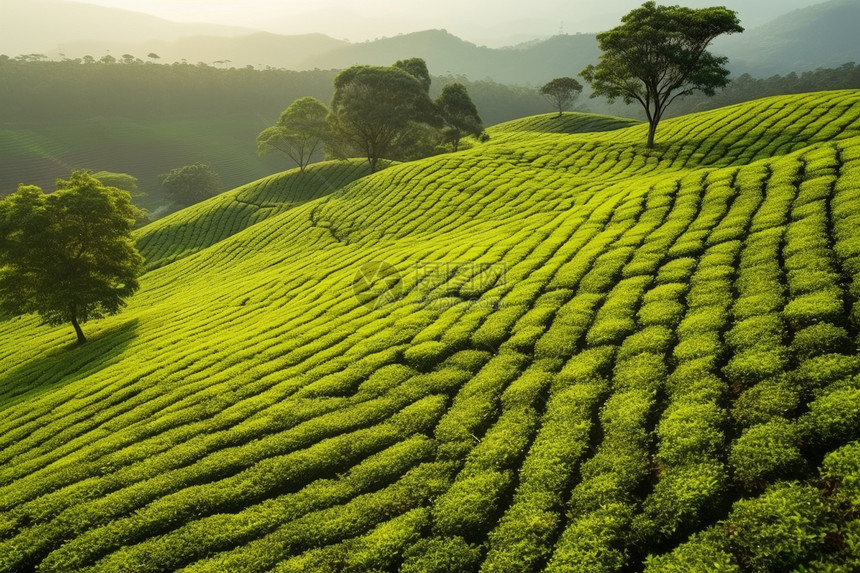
81 338
652 130
372 161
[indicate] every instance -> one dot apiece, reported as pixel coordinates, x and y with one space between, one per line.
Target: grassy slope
580 350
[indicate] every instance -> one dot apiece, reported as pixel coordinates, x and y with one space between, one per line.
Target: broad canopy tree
374 108
193 183
658 54
459 114
300 132
561 93
69 255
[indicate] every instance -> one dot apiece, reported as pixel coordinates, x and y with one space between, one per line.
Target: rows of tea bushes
555 351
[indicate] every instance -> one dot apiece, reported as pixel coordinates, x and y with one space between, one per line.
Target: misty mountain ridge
805 39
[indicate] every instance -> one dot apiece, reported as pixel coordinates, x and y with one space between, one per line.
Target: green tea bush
702 552
689 431
699 346
593 542
821 338
766 452
833 419
441 555
682 500
469 506
749 367
651 339
779 530
769 399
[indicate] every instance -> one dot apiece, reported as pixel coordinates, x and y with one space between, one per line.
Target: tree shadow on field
65 364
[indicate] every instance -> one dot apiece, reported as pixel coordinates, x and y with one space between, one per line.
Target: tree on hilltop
68 256
300 132
192 183
659 53
561 93
373 110
459 113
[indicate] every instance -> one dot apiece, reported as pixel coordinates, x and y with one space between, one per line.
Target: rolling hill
556 351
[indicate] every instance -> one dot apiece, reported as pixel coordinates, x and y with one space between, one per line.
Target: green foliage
68 256
659 53
779 530
459 114
300 132
373 110
623 376
766 452
440 555
191 184
561 93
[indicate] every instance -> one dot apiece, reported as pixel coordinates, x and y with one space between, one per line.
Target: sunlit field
555 351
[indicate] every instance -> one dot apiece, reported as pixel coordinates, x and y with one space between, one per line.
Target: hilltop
556 350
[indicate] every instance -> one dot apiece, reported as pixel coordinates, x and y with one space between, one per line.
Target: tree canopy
561 93
373 109
68 256
659 53
300 132
459 113
193 183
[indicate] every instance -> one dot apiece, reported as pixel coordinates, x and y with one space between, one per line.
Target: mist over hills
824 35
804 39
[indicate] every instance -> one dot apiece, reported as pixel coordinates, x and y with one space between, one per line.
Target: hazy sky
481 21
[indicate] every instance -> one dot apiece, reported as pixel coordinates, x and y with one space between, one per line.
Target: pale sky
480 21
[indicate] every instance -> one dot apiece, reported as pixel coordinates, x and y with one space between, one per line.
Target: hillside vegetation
557 351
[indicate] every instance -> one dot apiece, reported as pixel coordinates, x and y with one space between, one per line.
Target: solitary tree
658 54
373 109
68 256
459 113
300 132
561 93
192 183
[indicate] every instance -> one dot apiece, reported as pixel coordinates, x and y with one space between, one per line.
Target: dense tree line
36 91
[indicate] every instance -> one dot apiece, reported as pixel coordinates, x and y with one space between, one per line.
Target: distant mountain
824 35
45 26
531 63
818 36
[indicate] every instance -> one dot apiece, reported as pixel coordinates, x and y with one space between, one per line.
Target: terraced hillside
553 352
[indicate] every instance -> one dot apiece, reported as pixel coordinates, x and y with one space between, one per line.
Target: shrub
683 499
666 313
820 372
779 530
690 431
764 331
703 552
699 346
768 399
441 555
841 470
808 309
468 507
593 542
766 452
822 338
834 418
425 355
751 366
758 304
651 339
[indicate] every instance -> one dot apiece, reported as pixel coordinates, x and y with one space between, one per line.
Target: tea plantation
557 351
